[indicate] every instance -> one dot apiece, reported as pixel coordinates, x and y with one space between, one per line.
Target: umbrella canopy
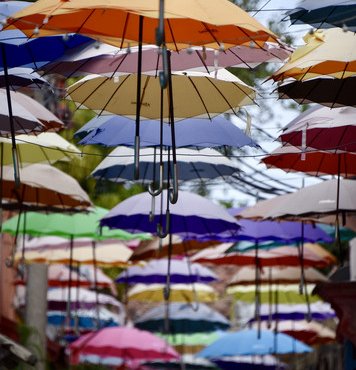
187 360
192 214
280 275
323 128
203 165
155 272
312 161
114 255
314 201
311 333
325 13
47 147
107 60
42 186
28 115
109 345
158 248
250 342
22 77
186 293
326 53
208 95
185 24
114 130
183 318
265 362
67 226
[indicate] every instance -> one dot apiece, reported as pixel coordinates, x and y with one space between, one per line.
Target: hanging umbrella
187 360
325 14
154 272
186 293
322 128
312 161
311 333
183 318
23 77
42 187
111 130
106 60
208 95
112 346
192 214
265 362
158 248
183 23
203 165
248 342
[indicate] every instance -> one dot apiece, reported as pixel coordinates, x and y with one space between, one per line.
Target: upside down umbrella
183 318
114 346
247 342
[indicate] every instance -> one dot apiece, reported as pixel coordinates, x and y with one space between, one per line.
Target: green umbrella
78 225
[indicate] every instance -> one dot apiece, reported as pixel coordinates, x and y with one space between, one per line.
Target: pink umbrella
116 345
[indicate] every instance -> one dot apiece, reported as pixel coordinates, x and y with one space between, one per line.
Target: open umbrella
265 362
154 272
202 165
112 130
114 346
23 77
42 187
183 318
248 342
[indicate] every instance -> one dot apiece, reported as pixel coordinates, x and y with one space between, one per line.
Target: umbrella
311 333
112 130
154 272
265 362
203 165
322 128
23 77
42 187
326 53
312 161
107 60
158 248
28 115
47 147
188 361
186 293
183 318
325 14
192 214
280 275
248 342
112 346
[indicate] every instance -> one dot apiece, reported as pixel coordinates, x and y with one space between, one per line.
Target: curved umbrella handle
164 234
137 158
173 194
155 192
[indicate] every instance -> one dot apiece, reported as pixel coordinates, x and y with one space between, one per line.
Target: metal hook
173 193
151 190
164 234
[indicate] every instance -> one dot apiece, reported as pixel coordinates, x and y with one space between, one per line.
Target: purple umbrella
115 130
155 272
191 215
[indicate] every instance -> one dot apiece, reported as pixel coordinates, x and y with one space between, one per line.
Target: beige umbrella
194 93
330 52
42 187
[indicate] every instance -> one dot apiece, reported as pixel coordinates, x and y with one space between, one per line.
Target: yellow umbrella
106 255
178 293
47 147
330 52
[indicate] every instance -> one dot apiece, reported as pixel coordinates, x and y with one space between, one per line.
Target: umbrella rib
211 33
172 35
222 95
341 85
125 29
202 60
85 20
239 58
200 97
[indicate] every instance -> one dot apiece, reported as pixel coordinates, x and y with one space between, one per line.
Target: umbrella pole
15 158
167 288
195 294
303 283
138 99
68 317
276 299
337 221
1 181
270 315
257 292
93 244
76 316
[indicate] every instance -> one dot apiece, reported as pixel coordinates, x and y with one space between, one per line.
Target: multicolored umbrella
183 318
154 272
114 346
250 342
186 293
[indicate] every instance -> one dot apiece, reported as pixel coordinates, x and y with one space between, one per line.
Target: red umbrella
116 345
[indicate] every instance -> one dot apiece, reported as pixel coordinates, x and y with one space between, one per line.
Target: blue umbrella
183 318
249 363
250 342
115 130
